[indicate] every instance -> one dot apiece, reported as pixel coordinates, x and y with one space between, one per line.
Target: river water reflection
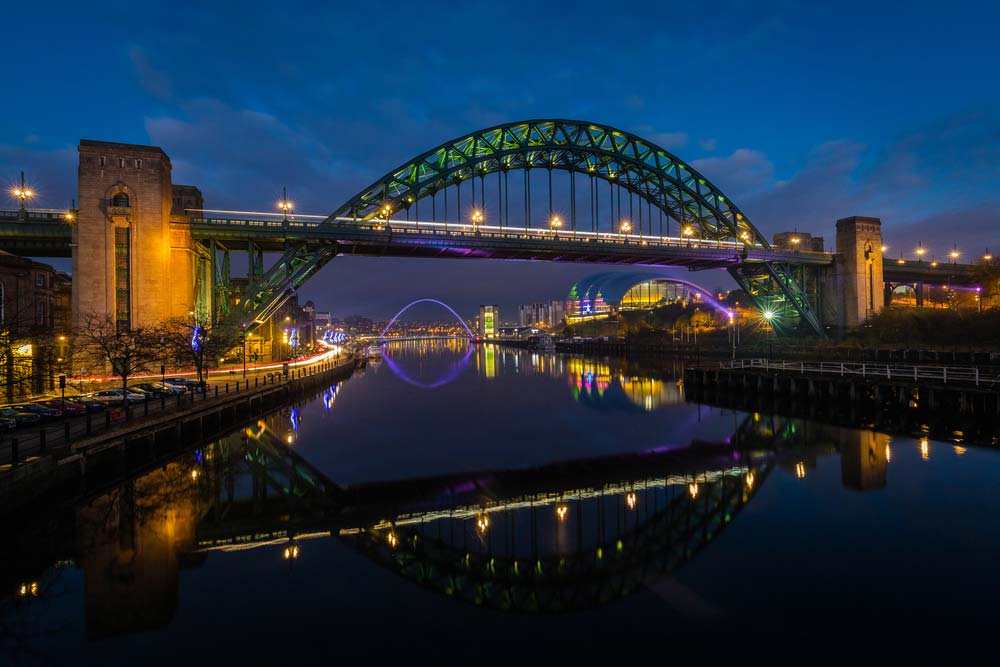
453 500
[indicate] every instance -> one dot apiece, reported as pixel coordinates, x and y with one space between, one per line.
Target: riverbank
71 463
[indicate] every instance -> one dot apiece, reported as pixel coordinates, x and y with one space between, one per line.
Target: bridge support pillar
854 288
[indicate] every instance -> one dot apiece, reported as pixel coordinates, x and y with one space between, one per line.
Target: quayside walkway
49 457
939 400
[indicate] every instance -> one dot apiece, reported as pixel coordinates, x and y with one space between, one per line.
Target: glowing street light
477 219
284 205
987 257
954 253
920 250
624 227
555 222
884 248
22 193
688 231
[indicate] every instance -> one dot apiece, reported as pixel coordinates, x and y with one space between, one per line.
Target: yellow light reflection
749 480
800 470
630 500
562 511
693 490
925 449
960 450
888 454
482 523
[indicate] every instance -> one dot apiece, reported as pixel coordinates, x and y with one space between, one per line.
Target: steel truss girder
577 146
772 287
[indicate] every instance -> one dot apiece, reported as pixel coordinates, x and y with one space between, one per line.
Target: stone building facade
137 268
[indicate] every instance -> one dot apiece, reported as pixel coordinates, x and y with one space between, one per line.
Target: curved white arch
413 303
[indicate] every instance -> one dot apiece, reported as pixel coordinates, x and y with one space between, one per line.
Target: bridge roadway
48 234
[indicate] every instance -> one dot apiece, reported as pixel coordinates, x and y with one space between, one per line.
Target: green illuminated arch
604 152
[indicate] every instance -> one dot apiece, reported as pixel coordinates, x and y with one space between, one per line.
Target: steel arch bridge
405 308
711 230
594 575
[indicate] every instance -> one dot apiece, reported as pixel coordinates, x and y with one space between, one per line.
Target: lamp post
555 222
769 316
687 233
244 351
954 254
624 227
284 205
22 193
477 219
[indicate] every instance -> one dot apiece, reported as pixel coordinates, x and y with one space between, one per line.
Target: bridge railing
54 217
943 374
442 229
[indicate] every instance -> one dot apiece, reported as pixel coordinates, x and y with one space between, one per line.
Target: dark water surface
498 500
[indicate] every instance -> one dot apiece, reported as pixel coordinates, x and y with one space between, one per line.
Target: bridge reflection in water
555 538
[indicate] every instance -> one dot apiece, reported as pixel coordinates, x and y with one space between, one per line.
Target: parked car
67 407
115 396
172 388
20 417
6 423
92 404
157 390
44 412
188 383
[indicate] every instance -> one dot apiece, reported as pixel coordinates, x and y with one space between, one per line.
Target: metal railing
943 374
25 444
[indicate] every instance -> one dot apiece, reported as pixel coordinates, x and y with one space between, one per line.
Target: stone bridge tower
853 289
129 262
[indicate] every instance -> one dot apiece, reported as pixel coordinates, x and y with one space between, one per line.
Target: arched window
120 199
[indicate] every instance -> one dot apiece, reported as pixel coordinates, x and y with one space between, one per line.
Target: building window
120 199
103 160
123 313
39 280
121 162
138 164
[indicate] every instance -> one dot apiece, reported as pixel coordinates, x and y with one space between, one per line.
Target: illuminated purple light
440 303
453 372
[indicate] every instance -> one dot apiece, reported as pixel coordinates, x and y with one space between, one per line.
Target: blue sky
801 112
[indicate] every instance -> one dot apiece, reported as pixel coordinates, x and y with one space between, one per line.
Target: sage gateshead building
606 294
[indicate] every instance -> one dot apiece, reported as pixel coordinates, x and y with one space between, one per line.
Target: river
480 501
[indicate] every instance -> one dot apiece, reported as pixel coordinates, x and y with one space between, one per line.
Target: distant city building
606 294
489 321
797 241
546 314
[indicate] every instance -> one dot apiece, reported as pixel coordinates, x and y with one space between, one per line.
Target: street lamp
987 257
687 233
22 193
769 316
624 227
555 222
954 254
477 219
920 249
284 205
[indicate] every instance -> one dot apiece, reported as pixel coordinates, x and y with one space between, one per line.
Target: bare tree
127 352
198 344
